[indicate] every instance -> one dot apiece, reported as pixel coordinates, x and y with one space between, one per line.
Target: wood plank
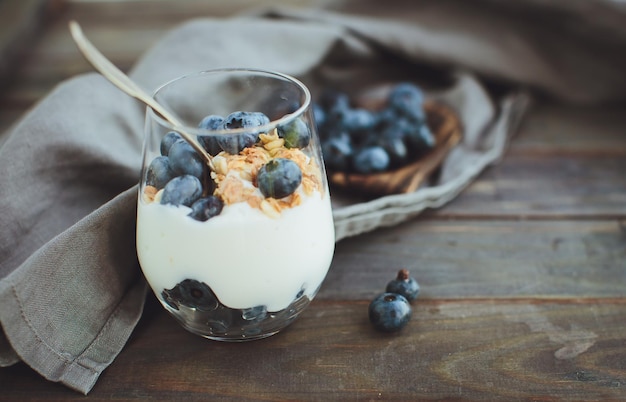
549 186
522 276
471 350
477 259
565 129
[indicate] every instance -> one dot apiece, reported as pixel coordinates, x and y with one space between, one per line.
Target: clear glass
248 271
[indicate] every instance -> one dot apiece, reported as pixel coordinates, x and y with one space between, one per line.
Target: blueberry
337 152
408 100
331 99
295 133
336 105
389 312
358 120
197 294
159 172
210 143
183 190
386 118
248 120
185 160
254 314
279 178
370 159
391 124
420 139
192 294
241 119
206 208
212 122
396 149
235 143
404 285
262 119
168 140
319 115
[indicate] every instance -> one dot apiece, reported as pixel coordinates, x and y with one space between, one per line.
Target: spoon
123 82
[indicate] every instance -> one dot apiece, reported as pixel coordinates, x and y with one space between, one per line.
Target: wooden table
523 275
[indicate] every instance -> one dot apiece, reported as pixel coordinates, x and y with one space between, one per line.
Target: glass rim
197 131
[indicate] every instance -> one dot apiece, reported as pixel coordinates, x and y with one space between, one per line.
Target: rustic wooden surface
523 275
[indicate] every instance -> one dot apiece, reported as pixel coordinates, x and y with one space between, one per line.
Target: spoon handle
123 82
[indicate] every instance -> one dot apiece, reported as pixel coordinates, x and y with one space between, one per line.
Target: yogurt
245 256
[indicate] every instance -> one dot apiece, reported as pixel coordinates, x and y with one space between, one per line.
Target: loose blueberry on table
404 285
391 311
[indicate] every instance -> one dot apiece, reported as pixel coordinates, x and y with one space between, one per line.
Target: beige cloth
71 290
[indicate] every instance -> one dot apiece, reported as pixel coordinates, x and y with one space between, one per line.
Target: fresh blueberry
210 143
295 133
241 119
331 99
420 139
262 119
279 178
192 294
185 160
370 159
358 120
206 208
389 312
319 115
385 118
391 124
168 140
211 122
408 100
159 172
404 285
183 190
396 149
337 152
235 143
254 314
336 105
197 294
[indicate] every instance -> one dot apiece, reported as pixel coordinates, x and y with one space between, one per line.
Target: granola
235 175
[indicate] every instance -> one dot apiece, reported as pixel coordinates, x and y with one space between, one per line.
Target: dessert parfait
236 248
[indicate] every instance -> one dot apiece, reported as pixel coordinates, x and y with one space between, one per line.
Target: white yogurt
247 258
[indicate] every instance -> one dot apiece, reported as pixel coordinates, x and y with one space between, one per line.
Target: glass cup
235 246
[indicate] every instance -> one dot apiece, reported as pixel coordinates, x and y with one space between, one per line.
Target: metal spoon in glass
123 82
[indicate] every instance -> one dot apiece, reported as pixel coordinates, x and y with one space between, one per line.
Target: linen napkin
71 289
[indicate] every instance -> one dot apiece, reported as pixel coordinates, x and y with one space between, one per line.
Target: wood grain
523 275
497 259
470 350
